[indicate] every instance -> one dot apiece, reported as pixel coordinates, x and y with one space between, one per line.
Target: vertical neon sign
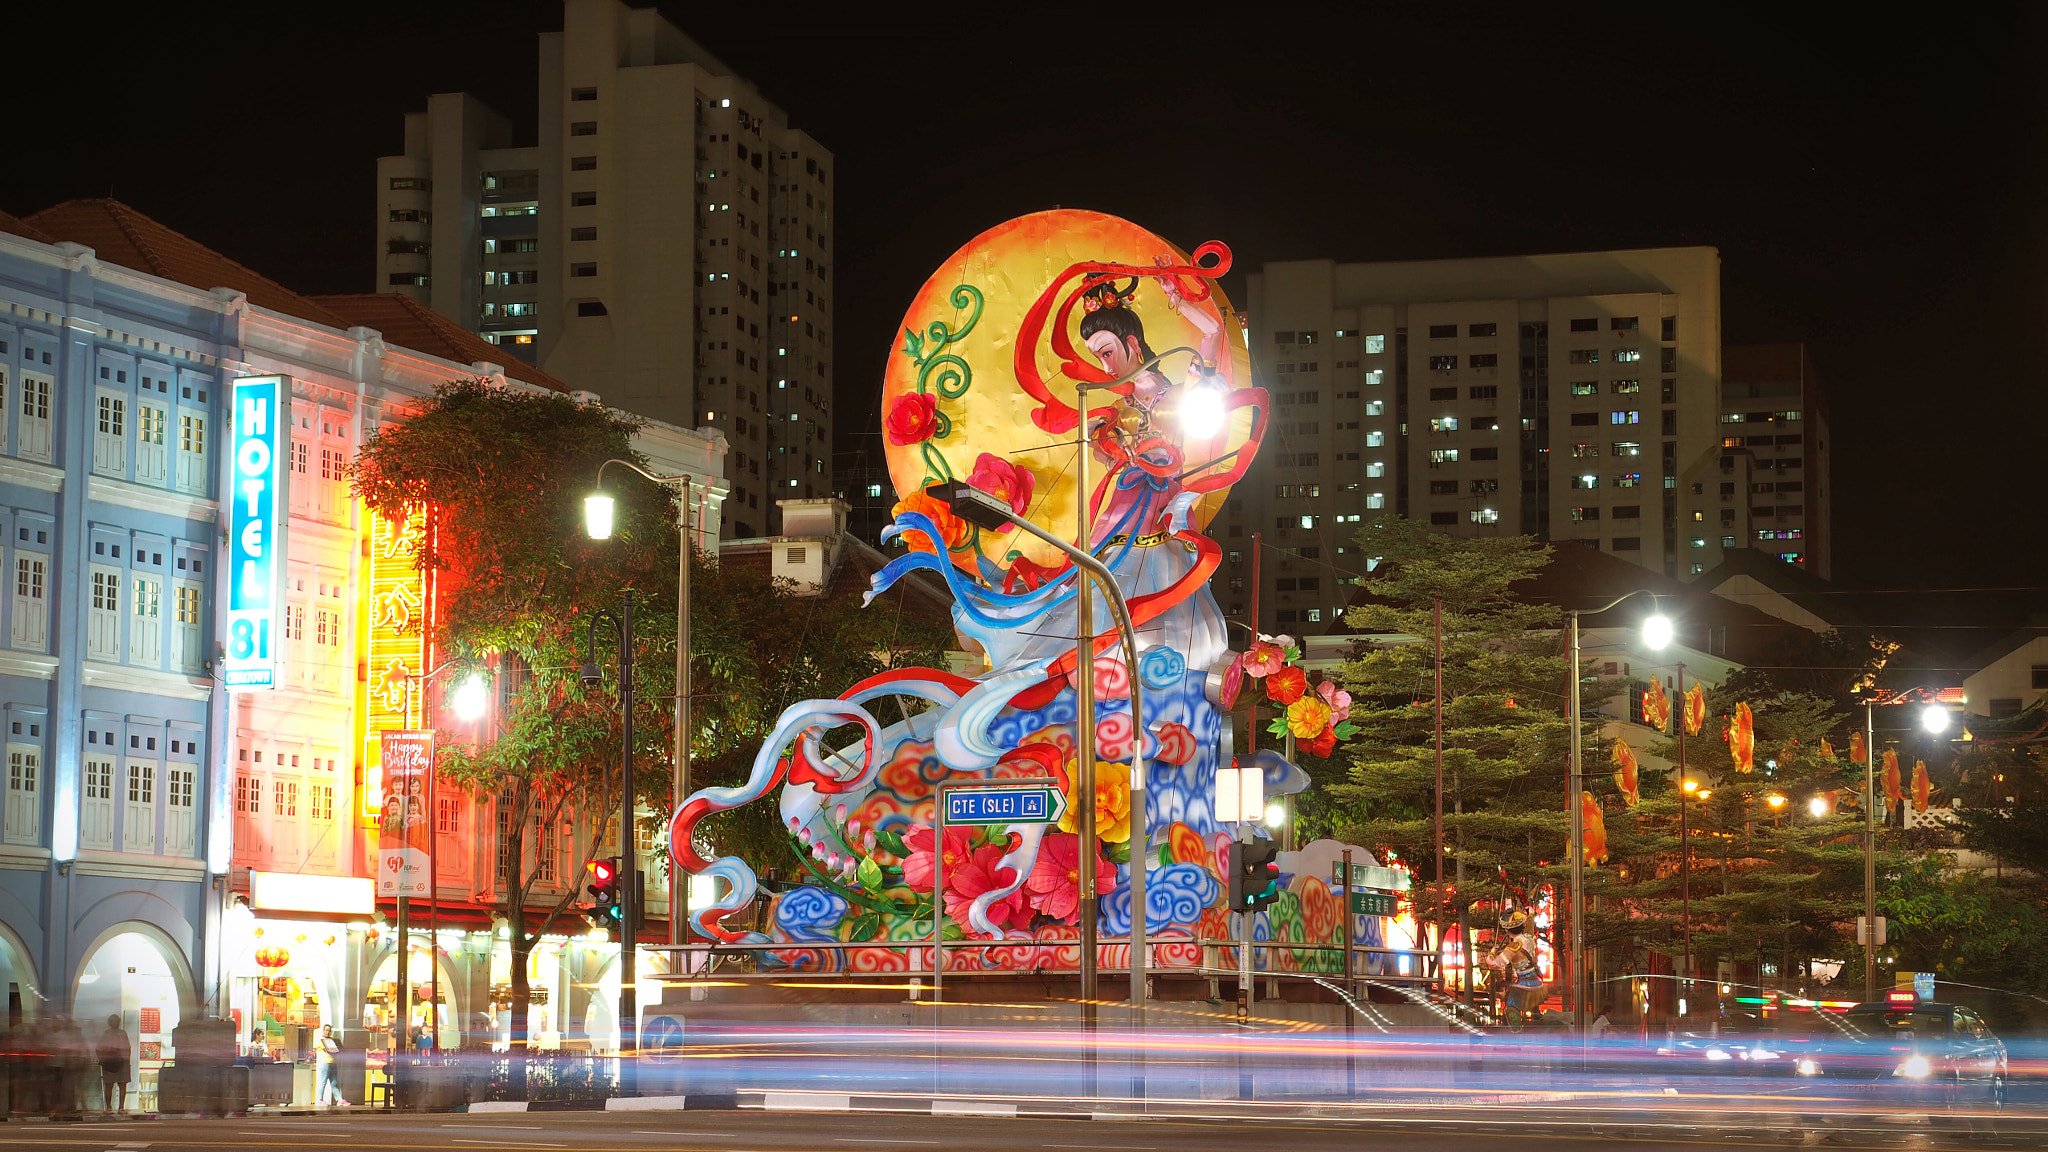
256 532
399 606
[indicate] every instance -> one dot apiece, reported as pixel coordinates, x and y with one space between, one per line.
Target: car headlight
1915 1068
1806 1067
1718 1054
1762 1054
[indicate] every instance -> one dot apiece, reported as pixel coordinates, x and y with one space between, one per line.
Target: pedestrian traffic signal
605 896
1254 875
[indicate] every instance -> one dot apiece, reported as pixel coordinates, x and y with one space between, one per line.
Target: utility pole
1437 631
1869 850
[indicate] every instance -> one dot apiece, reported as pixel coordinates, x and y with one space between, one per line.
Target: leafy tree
504 473
1506 740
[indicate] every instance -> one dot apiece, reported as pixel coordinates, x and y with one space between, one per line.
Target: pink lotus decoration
1338 699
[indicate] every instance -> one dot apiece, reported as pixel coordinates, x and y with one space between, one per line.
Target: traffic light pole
629 864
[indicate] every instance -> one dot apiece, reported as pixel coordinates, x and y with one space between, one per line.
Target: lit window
1788 416
1727 541
1375 344
1584 451
1628 480
1376 500
1627 355
1731 417
1627 387
1627 448
1585 387
1485 516
874 491
1313 615
1699 542
1375 469
1585 513
1374 378
1698 568
1443 455
1585 481
1309 521
1624 418
1444 424
1375 408
1375 439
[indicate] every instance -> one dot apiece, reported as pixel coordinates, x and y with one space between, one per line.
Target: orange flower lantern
1859 752
1922 786
1742 739
1695 710
1625 773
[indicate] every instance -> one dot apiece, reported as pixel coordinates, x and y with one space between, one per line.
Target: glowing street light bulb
597 516
1202 411
1657 631
1276 814
1691 786
1935 719
1775 800
1817 807
472 697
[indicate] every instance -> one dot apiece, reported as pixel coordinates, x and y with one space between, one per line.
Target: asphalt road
756 1131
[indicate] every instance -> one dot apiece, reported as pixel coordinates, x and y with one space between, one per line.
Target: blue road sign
1038 804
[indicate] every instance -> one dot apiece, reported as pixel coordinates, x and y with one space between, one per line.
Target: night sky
1875 184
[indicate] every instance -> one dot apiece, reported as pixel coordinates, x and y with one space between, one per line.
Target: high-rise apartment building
1774 482
666 243
1572 397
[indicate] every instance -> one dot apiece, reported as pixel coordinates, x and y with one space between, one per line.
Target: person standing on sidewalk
325 1053
113 1052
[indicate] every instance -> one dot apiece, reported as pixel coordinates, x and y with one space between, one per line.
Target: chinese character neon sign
398 609
256 531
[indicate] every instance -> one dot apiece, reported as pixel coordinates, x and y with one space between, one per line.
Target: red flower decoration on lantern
1286 685
913 419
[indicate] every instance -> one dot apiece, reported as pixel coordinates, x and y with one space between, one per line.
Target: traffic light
1254 875
605 897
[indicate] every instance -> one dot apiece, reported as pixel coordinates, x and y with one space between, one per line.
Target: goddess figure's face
1119 357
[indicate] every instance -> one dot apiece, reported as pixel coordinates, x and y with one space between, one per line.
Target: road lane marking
878 1140
496 1127
510 1143
645 1132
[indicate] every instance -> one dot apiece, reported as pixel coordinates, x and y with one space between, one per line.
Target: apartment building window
1628 417
151 444
1444 424
1486 454
1443 487
103 623
1483 487
23 819
1628 480
181 816
1477 330
31 608
1484 516
1585 513
1442 363
1376 500
96 810
582 199
1584 451
407 280
1443 331
582 93
1585 387
146 631
32 434
1283 337
1484 360
192 473
1586 324
1376 469
411 184
1443 518
1628 512
1483 391
1628 544
1585 419
1628 355
1585 356
580 235
1587 480
583 269
583 128
1375 345
1628 448
138 813
1443 456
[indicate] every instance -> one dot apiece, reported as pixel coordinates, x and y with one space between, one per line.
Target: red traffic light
603 872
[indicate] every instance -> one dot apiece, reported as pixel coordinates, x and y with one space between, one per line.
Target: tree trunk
521 943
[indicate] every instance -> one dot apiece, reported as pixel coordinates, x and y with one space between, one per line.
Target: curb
613 1104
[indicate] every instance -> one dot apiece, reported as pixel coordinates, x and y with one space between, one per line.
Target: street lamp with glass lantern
992 513
1657 633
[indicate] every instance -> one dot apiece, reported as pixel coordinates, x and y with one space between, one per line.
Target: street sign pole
982 803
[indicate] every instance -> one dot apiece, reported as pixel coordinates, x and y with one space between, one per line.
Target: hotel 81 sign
256 530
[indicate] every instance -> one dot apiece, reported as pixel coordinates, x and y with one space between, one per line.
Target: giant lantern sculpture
978 389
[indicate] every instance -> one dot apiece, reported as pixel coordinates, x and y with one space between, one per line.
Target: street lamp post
597 509
1686 787
979 508
1656 634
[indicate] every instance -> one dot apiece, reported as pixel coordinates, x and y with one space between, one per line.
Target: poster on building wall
402 833
253 585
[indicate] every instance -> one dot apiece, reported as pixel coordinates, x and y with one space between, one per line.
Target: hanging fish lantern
1695 710
1922 786
1625 774
1742 739
1859 752
1595 829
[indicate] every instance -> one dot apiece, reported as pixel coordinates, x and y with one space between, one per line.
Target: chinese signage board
403 831
397 609
254 581
1372 903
